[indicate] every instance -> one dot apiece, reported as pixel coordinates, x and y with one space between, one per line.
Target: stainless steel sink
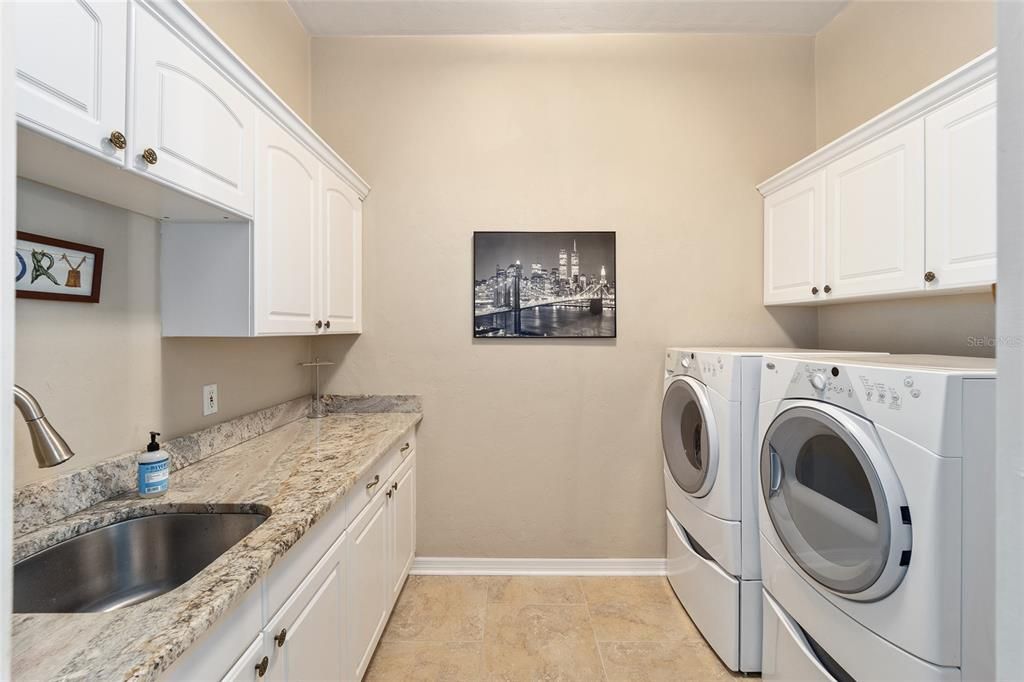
125 563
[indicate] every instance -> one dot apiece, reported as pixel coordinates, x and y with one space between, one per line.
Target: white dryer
870 469
709 438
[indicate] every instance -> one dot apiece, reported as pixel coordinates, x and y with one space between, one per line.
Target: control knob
818 381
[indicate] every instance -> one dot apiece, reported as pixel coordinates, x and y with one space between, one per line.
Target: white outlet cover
209 399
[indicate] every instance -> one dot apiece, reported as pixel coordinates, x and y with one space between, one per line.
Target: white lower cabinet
306 636
250 664
368 604
320 612
402 517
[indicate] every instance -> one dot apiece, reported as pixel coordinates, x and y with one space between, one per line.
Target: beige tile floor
541 628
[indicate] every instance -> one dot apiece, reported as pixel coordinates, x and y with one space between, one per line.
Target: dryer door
688 435
835 501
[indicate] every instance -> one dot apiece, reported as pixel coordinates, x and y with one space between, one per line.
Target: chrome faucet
48 445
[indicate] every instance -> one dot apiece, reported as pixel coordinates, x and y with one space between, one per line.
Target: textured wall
268 36
551 448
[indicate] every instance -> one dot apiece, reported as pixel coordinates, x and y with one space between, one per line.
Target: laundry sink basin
126 562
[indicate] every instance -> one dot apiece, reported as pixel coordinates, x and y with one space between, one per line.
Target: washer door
688 436
835 500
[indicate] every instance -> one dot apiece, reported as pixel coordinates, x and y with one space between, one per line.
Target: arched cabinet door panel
193 128
71 60
286 246
342 223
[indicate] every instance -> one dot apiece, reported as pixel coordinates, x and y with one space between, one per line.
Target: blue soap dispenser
154 469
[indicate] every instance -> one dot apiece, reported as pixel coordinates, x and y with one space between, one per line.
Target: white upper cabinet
793 241
341 244
286 247
71 72
960 140
903 205
874 232
193 128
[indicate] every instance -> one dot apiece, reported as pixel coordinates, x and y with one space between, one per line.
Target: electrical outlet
209 399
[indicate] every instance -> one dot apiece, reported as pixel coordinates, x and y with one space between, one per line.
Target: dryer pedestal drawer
787 655
715 601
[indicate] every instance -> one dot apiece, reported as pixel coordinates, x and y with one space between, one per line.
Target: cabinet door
246 668
342 255
368 582
71 71
960 153
402 512
307 636
198 124
285 233
875 222
794 237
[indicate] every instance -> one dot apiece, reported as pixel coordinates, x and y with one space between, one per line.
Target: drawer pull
280 637
261 667
375 481
394 486
404 448
390 493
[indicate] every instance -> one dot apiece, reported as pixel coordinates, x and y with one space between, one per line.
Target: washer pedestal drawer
725 609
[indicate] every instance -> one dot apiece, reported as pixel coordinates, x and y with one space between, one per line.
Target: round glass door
688 436
830 497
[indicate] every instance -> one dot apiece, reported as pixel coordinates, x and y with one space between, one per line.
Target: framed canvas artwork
57 270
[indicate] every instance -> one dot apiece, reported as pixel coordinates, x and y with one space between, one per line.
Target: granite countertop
297 471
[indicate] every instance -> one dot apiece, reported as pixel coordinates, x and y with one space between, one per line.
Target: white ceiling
468 17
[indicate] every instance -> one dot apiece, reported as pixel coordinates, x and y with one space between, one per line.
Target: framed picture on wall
57 270
544 285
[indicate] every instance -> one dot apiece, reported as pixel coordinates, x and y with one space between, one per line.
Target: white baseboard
486 566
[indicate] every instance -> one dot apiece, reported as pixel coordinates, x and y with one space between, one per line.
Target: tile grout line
593 632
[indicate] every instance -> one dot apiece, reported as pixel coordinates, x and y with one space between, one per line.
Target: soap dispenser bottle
154 469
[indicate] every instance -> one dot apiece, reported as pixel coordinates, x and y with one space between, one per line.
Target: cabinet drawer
373 480
246 667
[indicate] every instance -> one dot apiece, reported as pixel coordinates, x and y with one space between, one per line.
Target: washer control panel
848 386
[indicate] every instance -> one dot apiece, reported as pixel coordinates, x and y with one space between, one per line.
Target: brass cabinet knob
149 156
814 291
319 324
827 289
929 276
280 637
261 667
118 140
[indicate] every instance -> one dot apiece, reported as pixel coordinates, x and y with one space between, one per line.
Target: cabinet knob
149 156
280 637
327 324
375 481
827 289
261 667
389 493
404 448
118 140
929 276
394 486
319 324
814 291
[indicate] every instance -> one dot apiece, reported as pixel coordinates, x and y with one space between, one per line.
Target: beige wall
551 448
102 372
870 57
268 36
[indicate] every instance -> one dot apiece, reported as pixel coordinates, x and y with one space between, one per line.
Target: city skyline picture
544 285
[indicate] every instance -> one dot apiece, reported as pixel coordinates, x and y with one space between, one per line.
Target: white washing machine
709 436
871 468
